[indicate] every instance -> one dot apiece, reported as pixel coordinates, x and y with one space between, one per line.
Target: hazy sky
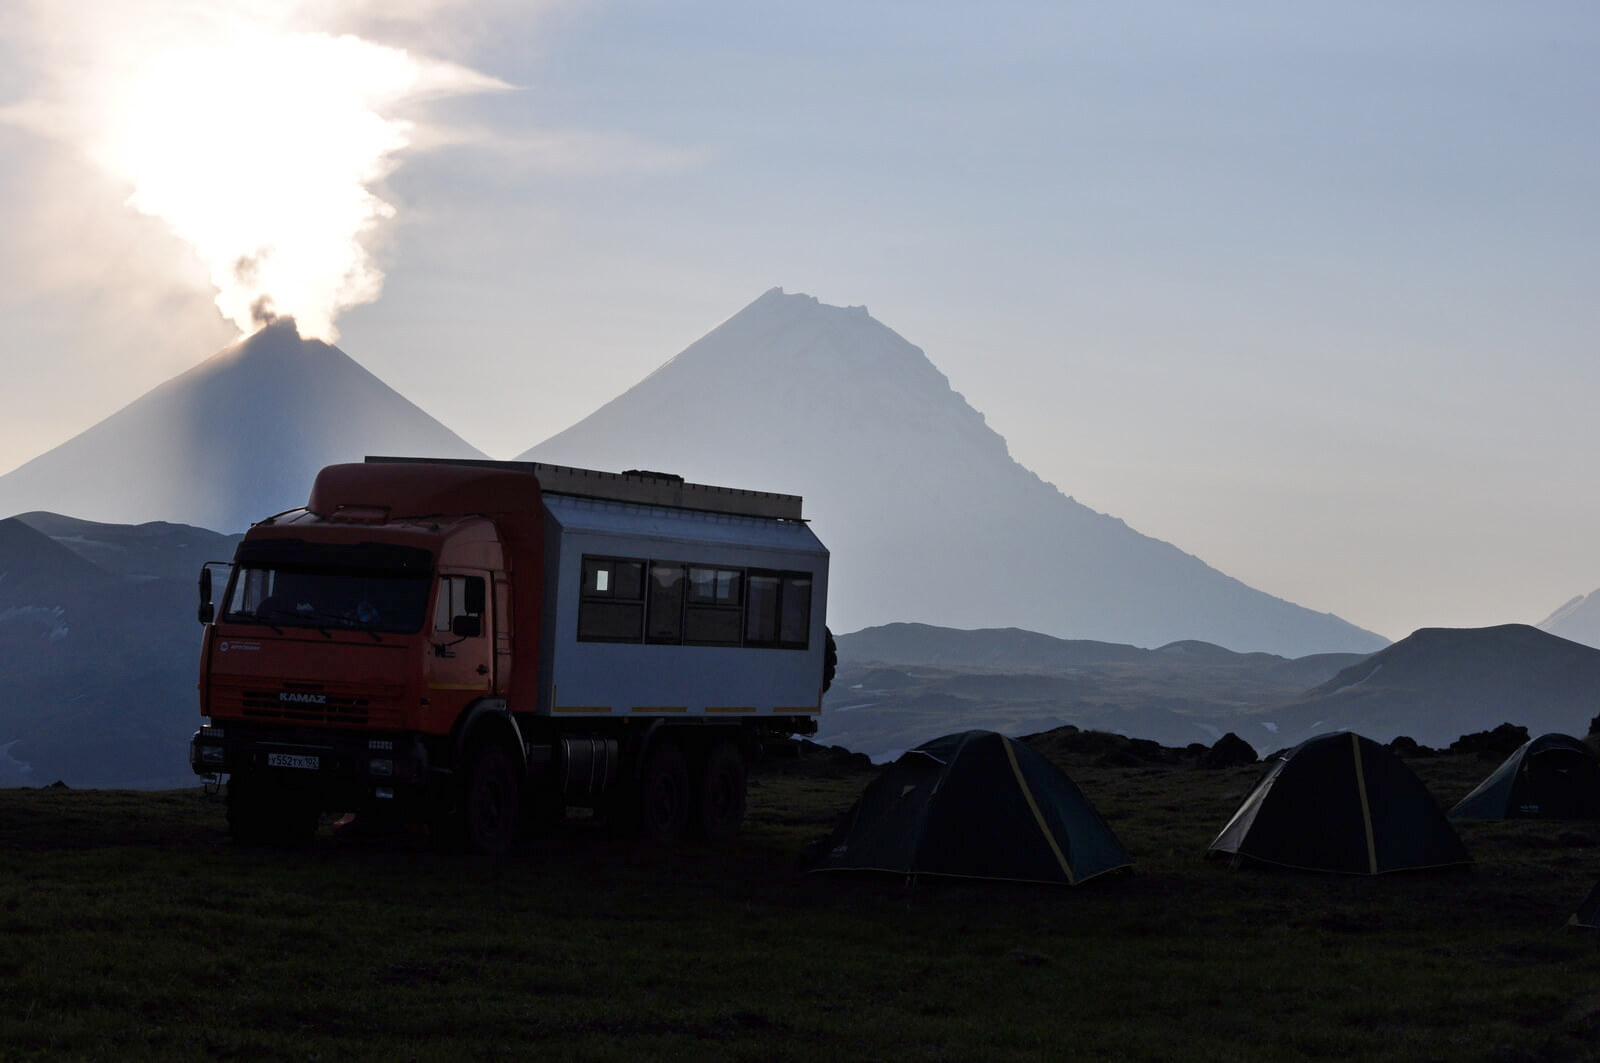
1309 290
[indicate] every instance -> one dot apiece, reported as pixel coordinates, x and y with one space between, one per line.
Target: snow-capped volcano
232 440
928 517
1578 620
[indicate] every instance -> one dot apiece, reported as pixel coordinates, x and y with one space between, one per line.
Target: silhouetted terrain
135 930
901 684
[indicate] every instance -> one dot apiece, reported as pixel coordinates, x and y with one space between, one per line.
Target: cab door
462 654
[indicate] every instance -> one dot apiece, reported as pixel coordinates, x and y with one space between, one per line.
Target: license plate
292 760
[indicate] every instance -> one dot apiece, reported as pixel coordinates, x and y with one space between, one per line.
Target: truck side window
715 609
457 597
761 618
779 609
794 627
665 621
611 605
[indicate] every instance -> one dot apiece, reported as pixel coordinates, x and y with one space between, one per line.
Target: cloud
569 152
14 772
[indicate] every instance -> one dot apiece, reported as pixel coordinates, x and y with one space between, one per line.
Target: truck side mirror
208 612
466 627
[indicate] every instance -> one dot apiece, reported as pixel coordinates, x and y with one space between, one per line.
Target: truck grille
315 703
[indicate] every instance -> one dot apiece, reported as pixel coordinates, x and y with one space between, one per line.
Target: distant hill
928 516
1578 620
1441 683
901 684
33 566
99 659
144 551
235 439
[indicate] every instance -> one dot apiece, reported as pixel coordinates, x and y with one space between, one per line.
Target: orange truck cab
479 645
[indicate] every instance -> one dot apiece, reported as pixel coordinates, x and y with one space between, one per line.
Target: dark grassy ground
133 929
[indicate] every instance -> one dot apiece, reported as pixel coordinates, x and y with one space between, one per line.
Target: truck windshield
291 584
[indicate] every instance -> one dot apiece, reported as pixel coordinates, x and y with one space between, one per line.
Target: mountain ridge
1440 683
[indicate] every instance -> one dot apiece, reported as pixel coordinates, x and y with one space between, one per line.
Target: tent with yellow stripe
1341 802
975 805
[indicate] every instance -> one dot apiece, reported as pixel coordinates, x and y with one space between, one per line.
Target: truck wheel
720 809
664 793
247 820
830 659
491 802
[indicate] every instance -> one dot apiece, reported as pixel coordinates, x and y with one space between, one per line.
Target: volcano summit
238 437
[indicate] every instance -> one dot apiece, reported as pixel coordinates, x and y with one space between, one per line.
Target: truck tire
491 801
719 810
830 659
247 822
664 793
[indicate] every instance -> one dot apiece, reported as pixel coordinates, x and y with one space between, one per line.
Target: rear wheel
830 659
719 812
664 793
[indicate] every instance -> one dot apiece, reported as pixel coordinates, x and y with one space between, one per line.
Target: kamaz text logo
303 699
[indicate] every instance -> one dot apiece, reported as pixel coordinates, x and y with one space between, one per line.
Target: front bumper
379 766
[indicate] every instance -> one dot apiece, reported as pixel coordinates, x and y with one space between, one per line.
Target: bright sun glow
260 148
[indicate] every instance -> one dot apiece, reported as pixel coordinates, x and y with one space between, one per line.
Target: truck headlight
213 754
381 768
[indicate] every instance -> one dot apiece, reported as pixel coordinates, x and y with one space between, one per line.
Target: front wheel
491 802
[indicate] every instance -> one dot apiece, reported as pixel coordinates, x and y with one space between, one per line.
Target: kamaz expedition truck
481 644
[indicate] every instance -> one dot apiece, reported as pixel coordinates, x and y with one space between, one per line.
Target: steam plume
259 138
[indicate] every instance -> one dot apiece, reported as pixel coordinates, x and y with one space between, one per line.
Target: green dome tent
1340 802
1554 776
975 805
1588 913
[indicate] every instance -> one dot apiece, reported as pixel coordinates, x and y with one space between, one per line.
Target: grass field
133 929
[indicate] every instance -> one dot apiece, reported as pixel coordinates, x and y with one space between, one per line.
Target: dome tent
1554 776
1340 802
1588 913
975 805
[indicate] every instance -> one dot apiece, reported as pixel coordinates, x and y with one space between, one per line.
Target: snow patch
1269 725
1351 686
51 618
84 540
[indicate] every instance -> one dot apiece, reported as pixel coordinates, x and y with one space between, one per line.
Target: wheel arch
487 720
